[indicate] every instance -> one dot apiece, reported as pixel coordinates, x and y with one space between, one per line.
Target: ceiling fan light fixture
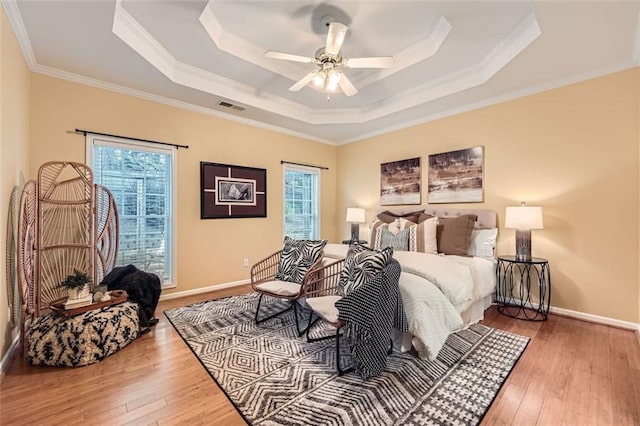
333 78
318 79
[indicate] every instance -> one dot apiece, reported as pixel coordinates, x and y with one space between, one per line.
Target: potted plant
77 284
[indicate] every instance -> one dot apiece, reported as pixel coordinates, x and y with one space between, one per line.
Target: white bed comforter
435 291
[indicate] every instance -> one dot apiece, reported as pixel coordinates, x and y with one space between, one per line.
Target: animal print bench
83 339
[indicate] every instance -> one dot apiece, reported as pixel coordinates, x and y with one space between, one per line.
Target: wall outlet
245 262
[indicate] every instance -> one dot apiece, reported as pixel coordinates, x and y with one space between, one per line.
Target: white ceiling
450 56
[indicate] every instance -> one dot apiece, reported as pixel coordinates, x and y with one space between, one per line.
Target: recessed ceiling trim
413 54
133 33
522 35
237 46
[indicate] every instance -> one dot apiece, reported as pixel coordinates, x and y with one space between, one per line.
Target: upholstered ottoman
83 339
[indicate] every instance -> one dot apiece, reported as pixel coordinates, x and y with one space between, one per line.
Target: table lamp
523 219
355 216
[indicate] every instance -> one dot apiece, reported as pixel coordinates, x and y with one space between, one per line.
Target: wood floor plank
572 373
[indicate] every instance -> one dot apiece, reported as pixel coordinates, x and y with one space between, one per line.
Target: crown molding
528 91
15 19
86 81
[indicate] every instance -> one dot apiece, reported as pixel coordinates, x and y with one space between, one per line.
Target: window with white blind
301 202
141 177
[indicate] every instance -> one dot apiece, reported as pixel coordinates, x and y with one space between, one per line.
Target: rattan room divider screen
65 222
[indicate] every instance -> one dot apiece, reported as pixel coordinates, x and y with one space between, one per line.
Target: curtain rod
304 165
133 139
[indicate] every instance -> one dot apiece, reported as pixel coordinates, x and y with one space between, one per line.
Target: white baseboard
588 317
6 359
596 318
201 290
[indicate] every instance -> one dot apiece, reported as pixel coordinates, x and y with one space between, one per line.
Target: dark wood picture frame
228 191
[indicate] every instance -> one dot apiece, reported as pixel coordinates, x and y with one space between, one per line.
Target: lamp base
523 244
355 232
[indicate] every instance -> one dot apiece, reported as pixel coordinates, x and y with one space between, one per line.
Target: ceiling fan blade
302 82
371 62
347 87
335 38
288 57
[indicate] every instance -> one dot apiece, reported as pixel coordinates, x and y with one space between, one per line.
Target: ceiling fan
330 76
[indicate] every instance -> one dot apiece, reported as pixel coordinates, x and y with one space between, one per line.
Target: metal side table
523 287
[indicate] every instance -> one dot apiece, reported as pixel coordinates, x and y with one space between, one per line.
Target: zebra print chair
360 296
282 274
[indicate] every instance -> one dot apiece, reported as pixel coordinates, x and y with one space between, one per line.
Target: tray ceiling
448 56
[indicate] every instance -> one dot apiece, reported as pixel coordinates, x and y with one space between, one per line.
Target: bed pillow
483 242
389 216
423 235
375 233
454 234
297 257
361 265
399 241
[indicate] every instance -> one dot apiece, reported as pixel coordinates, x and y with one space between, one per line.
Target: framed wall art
228 191
400 182
456 176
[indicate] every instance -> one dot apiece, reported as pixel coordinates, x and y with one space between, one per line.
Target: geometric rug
274 377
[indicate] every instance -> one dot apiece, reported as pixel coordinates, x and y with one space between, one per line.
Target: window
301 202
141 177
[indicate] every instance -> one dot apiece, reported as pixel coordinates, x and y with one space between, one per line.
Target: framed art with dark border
228 191
400 182
456 176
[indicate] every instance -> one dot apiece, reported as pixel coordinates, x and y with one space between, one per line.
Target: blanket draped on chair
369 314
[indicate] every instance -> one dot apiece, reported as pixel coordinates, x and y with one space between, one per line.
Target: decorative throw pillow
389 216
399 241
376 229
454 234
423 235
483 241
361 265
297 257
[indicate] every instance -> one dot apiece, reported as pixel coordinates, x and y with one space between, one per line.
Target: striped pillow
298 256
422 236
362 265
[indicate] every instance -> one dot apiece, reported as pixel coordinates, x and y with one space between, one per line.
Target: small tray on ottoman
117 296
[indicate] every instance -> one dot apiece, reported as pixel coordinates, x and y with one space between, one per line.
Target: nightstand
523 287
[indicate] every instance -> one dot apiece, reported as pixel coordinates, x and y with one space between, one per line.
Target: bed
441 293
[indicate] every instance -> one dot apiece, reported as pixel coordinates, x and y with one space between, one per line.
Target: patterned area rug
274 377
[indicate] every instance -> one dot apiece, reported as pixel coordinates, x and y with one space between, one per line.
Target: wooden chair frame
266 270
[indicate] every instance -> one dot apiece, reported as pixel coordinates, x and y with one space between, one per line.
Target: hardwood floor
572 373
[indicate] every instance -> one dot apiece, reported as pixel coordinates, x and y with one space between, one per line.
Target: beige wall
14 138
574 151
209 251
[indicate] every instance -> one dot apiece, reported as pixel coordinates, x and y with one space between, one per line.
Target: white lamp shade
523 217
355 215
